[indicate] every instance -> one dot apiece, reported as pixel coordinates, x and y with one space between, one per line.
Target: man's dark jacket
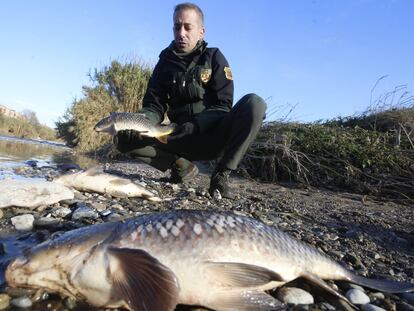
195 87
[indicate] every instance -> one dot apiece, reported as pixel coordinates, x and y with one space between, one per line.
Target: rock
114 217
98 206
32 163
40 295
4 301
65 167
46 222
31 193
22 302
61 212
376 296
295 296
84 212
106 213
327 306
70 202
356 296
23 222
69 303
80 196
353 259
117 206
217 195
370 307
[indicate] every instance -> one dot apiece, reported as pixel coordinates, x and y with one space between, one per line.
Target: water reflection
15 152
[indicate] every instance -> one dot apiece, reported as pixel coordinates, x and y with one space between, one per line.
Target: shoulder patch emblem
205 75
227 71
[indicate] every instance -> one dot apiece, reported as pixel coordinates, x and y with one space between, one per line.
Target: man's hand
127 136
185 129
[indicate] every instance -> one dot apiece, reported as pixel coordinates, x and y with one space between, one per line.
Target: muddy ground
372 237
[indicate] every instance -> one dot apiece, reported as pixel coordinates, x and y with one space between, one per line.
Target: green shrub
118 87
334 155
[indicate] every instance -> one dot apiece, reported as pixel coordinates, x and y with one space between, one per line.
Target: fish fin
240 274
314 280
142 281
94 171
162 139
386 286
244 300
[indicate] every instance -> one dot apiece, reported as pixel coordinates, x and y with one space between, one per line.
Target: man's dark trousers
229 139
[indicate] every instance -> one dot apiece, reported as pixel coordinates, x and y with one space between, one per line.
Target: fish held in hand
120 121
96 180
221 261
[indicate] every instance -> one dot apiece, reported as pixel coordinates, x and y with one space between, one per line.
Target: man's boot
182 171
220 181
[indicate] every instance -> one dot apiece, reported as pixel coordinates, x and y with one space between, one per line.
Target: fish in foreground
153 262
96 180
119 121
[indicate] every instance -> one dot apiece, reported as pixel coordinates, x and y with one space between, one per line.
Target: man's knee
254 104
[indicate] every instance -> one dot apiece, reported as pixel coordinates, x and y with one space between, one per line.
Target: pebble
46 222
61 212
4 301
100 207
327 306
356 296
80 196
23 222
117 206
40 295
84 212
295 296
69 303
370 307
22 302
1 214
217 195
377 296
353 259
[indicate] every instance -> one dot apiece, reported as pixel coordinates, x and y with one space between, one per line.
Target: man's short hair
189 6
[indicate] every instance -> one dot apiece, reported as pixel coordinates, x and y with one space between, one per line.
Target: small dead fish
221 261
96 180
119 121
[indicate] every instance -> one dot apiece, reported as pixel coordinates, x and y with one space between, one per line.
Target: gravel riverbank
376 239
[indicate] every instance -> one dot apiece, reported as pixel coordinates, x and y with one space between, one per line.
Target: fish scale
248 235
220 260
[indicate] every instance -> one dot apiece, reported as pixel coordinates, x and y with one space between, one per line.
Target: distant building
10 112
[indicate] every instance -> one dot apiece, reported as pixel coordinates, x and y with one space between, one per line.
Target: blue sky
323 57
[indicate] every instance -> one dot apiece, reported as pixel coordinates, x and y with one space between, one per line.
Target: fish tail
386 286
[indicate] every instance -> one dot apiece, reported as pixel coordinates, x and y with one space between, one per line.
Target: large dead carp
222 261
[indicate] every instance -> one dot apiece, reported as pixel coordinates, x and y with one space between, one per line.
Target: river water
19 152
